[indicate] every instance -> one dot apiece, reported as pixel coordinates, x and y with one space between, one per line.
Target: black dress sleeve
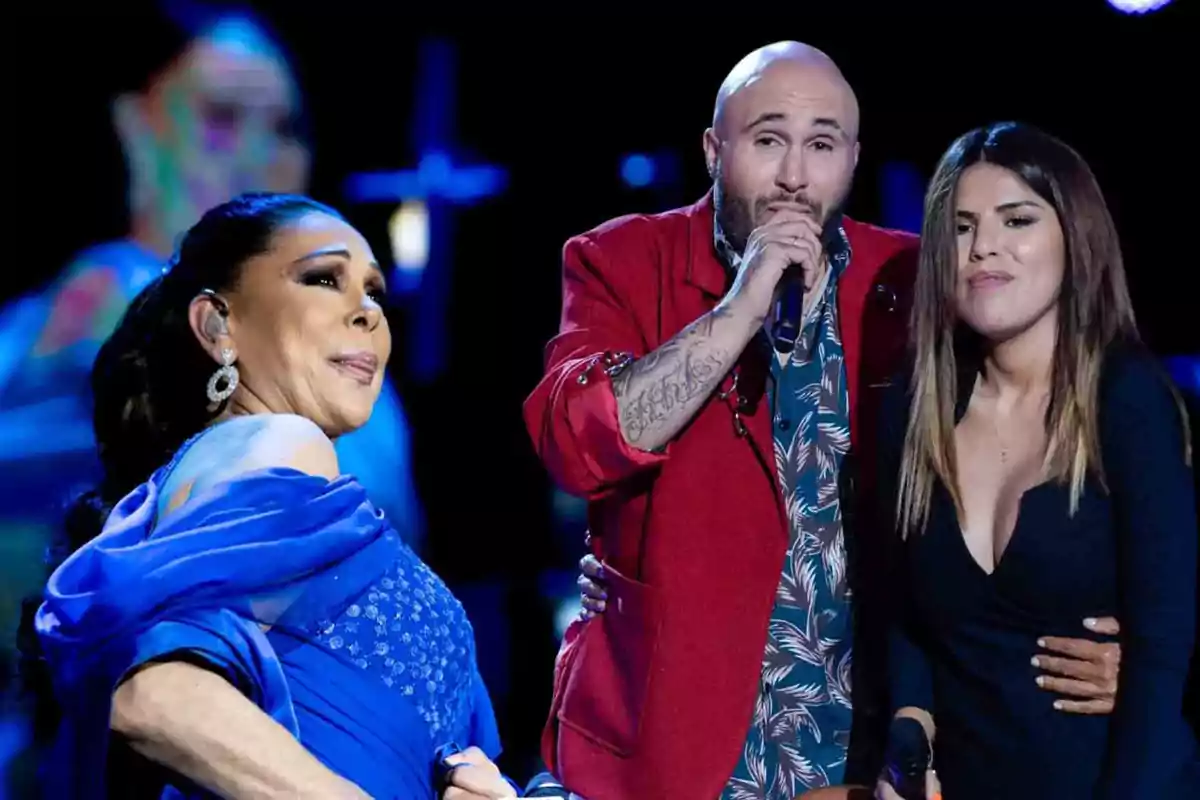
1144 441
910 681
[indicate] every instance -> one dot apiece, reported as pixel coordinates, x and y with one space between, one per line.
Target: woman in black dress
1039 468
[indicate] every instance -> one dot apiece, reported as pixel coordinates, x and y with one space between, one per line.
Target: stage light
565 613
638 170
1137 6
902 189
1185 370
559 590
568 510
408 230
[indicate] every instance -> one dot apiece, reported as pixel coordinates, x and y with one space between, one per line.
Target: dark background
558 99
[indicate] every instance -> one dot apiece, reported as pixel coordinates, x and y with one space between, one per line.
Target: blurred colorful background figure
216 113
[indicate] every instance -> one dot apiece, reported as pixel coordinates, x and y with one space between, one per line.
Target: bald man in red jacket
713 450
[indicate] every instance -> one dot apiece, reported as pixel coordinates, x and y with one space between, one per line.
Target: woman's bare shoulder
248 444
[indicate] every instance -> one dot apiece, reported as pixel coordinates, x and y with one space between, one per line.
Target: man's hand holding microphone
790 240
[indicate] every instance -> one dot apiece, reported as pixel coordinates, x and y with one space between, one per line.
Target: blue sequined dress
300 593
377 688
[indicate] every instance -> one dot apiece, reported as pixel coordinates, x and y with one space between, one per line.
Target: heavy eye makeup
333 276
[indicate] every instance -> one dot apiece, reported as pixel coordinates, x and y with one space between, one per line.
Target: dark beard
737 217
734 218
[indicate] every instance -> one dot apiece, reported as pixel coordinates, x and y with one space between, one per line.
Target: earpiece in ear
216 325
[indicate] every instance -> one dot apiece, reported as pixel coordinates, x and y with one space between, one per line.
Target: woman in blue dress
1037 462
247 624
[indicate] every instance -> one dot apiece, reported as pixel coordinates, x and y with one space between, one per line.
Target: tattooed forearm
659 393
670 390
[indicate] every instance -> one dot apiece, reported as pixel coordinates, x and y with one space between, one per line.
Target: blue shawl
274 548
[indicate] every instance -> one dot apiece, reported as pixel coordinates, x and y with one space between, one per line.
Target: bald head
784 136
786 68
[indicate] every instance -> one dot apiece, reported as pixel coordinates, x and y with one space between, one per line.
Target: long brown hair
1094 310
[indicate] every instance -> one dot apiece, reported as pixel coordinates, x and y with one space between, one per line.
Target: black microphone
789 310
545 785
907 758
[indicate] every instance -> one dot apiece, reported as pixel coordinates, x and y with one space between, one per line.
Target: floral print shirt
800 729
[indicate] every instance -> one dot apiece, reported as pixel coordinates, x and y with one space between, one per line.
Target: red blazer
654 698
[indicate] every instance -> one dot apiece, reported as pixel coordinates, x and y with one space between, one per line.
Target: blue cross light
441 184
901 189
435 176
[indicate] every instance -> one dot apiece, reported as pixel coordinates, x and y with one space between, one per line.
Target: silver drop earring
227 374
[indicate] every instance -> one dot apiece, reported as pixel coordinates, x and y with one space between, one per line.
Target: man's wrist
733 309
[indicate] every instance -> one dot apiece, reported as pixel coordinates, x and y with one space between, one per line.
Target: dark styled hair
1094 310
148 381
